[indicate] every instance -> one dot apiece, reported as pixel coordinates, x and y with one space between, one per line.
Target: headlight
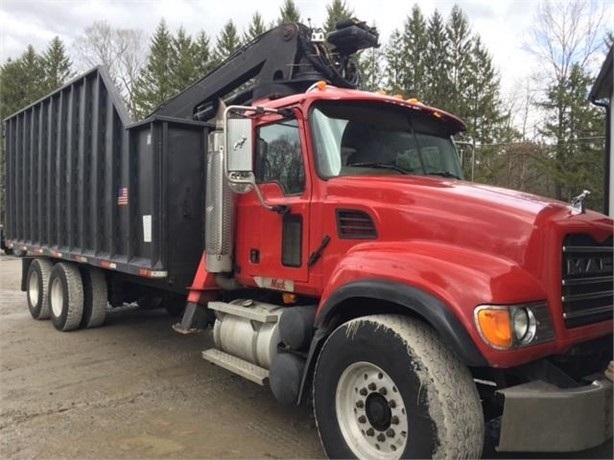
524 324
511 326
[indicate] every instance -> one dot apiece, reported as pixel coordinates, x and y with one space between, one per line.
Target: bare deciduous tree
567 37
567 32
121 51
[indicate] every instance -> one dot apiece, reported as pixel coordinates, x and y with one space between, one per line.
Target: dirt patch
131 389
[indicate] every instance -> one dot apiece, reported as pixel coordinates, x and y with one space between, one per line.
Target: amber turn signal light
495 326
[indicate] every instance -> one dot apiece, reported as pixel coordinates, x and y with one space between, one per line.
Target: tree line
438 60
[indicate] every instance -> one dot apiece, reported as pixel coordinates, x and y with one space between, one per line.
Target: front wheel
386 387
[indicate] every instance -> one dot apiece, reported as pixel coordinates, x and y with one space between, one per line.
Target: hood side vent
355 225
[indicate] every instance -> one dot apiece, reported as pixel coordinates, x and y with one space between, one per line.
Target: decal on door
274 283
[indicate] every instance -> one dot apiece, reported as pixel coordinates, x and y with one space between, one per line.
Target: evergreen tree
56 65
202 52
370 65
481 109
21 83
567 35
415 42
436 60
396 63
336 11
289 13
459 54
441 64
406 71
154 85
184 61
228 42
578 147
256 28
13 94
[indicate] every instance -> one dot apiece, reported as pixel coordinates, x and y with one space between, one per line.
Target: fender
440 282
412 300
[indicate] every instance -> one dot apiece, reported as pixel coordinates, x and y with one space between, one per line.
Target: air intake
355 225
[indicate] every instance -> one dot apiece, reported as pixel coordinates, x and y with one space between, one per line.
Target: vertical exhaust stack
219 204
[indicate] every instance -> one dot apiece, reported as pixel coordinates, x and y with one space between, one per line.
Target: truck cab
362 206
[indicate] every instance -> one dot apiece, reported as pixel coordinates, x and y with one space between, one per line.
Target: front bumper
540 417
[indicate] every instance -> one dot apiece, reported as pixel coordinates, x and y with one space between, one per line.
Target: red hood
490 219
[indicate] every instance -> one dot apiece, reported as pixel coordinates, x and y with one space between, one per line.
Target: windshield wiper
375 164
443 174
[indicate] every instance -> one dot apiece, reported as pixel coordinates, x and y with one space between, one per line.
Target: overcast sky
504 25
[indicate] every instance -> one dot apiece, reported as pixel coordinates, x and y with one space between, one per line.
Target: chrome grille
586 286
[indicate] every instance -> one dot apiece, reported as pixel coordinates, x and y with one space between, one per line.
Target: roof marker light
321 85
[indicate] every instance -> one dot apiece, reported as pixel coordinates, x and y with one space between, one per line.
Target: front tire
66 297
36 288
386 387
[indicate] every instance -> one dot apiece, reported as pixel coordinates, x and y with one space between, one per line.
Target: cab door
272 245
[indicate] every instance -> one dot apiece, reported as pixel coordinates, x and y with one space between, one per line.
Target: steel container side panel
143 158
67 158
82 186
184 170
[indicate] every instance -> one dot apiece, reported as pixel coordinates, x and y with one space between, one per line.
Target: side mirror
239 154
239 145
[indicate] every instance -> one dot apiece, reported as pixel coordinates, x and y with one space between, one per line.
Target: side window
279 157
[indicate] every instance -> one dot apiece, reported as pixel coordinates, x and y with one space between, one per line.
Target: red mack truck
327 237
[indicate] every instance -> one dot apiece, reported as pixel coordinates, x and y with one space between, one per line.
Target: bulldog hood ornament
577 204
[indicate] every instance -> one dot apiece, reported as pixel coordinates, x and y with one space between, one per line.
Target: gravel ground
136 389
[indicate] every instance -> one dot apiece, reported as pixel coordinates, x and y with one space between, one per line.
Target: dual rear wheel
72 296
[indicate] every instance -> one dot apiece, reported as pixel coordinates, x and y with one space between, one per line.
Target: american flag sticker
122 196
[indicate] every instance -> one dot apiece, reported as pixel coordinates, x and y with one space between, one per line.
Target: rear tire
36 288
95 296
66 297
386 387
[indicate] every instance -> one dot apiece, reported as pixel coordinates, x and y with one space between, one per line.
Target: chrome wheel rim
57 297
33 288
371 413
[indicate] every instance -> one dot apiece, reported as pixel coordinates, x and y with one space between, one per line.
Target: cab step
239 366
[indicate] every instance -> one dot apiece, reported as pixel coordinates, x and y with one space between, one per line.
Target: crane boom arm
282 61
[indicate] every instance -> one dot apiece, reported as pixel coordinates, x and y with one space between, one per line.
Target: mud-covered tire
36 288
386 387
95 297
66 297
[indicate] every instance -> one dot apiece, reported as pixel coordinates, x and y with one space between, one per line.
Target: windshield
375 138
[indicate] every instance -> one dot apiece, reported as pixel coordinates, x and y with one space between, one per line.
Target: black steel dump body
86 185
